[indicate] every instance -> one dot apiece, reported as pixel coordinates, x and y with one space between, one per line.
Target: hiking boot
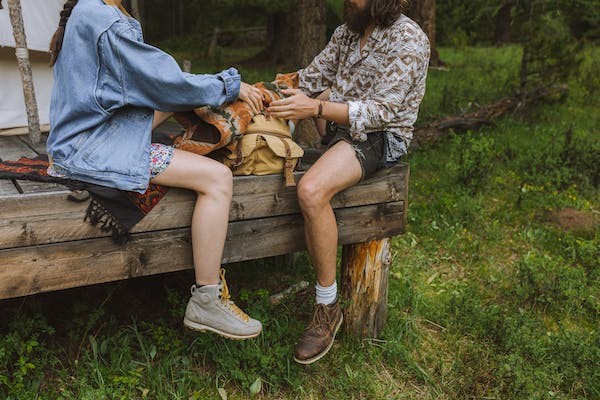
211 309
317 338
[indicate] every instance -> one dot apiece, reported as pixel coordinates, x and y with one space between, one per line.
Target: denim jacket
107 84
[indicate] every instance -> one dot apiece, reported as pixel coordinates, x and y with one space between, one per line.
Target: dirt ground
570 219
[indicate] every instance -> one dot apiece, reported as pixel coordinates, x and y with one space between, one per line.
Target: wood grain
7 188
12 148
39 218
365 268
35 269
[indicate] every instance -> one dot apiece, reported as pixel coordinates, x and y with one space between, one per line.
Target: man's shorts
371 154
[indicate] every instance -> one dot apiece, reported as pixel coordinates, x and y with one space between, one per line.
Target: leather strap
239 158
288 169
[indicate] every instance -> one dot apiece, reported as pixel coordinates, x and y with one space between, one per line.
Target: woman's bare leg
213 183
159 118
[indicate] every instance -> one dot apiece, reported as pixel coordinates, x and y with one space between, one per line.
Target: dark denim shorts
371 153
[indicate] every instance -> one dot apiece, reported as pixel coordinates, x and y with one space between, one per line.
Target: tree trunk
296 36
281 34
312 18
137 10
423 12
365 268
181 17
16 20
504 24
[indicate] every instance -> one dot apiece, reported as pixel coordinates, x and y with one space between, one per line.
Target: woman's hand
297 106
252 96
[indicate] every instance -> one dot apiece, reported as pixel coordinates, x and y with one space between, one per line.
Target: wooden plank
40 147
29 270
50 218
23 130
7 188
12 148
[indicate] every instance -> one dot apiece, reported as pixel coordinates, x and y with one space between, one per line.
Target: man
373 72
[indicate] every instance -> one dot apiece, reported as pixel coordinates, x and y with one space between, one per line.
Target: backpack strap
288 169
239 157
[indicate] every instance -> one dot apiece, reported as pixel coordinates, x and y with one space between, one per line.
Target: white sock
326 295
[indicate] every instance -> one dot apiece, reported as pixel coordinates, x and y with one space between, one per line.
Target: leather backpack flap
287 151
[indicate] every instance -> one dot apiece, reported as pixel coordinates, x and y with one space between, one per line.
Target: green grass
489 297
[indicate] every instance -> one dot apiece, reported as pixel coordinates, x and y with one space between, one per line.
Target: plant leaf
256 387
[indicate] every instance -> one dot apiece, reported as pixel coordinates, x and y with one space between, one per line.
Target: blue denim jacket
107 84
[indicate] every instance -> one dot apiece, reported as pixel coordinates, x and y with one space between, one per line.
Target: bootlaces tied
226 298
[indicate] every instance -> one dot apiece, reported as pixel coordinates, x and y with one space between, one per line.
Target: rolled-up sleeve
319 75
151 78
397 78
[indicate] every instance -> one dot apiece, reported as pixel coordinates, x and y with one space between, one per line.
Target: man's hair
385 12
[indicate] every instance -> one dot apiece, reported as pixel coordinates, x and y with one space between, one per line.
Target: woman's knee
217 182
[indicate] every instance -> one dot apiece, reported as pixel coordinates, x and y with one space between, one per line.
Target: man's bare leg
335 171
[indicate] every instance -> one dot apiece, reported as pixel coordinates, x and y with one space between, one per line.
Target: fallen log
484 115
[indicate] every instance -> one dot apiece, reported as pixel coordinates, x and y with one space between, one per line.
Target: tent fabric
12 102
40 18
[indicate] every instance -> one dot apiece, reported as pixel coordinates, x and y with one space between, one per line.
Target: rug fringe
100 217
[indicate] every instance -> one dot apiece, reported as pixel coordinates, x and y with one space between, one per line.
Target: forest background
494 289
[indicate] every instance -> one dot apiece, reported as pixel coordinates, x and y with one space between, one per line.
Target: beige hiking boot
211 309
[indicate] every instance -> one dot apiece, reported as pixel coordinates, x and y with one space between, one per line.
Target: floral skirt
160 158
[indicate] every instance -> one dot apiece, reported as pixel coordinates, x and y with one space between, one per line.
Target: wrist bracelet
320 112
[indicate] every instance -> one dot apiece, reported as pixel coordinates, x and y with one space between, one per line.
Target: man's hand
252 96
297 106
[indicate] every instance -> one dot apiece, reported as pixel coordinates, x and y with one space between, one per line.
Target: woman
110 90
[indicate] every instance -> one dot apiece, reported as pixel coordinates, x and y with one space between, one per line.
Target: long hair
385 12
57 38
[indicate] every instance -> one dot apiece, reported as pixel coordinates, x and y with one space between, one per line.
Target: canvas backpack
265 148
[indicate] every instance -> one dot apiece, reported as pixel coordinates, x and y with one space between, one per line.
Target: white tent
40 18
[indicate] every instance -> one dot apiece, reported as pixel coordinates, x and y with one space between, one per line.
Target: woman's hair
385 12
57 38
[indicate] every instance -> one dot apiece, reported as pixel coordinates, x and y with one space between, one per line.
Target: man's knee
311 194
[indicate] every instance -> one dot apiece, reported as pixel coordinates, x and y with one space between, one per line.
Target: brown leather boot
317 338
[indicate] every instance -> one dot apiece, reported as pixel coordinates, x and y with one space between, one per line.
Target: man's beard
356 19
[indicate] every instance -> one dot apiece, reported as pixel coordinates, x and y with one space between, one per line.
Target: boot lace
320 319
226 299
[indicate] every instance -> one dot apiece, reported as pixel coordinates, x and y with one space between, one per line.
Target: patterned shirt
383 83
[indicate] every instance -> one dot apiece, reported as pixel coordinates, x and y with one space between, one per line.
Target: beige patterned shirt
383 83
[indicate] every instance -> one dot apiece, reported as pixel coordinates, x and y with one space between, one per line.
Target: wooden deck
45 245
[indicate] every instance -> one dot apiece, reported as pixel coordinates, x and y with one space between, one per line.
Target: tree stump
365 268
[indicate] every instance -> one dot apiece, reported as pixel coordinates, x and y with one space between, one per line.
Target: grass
492 294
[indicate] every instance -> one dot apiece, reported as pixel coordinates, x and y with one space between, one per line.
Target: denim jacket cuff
232 80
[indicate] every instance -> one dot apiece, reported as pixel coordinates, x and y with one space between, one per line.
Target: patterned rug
112 210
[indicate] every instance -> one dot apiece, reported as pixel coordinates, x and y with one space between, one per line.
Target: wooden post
365 268
22 53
